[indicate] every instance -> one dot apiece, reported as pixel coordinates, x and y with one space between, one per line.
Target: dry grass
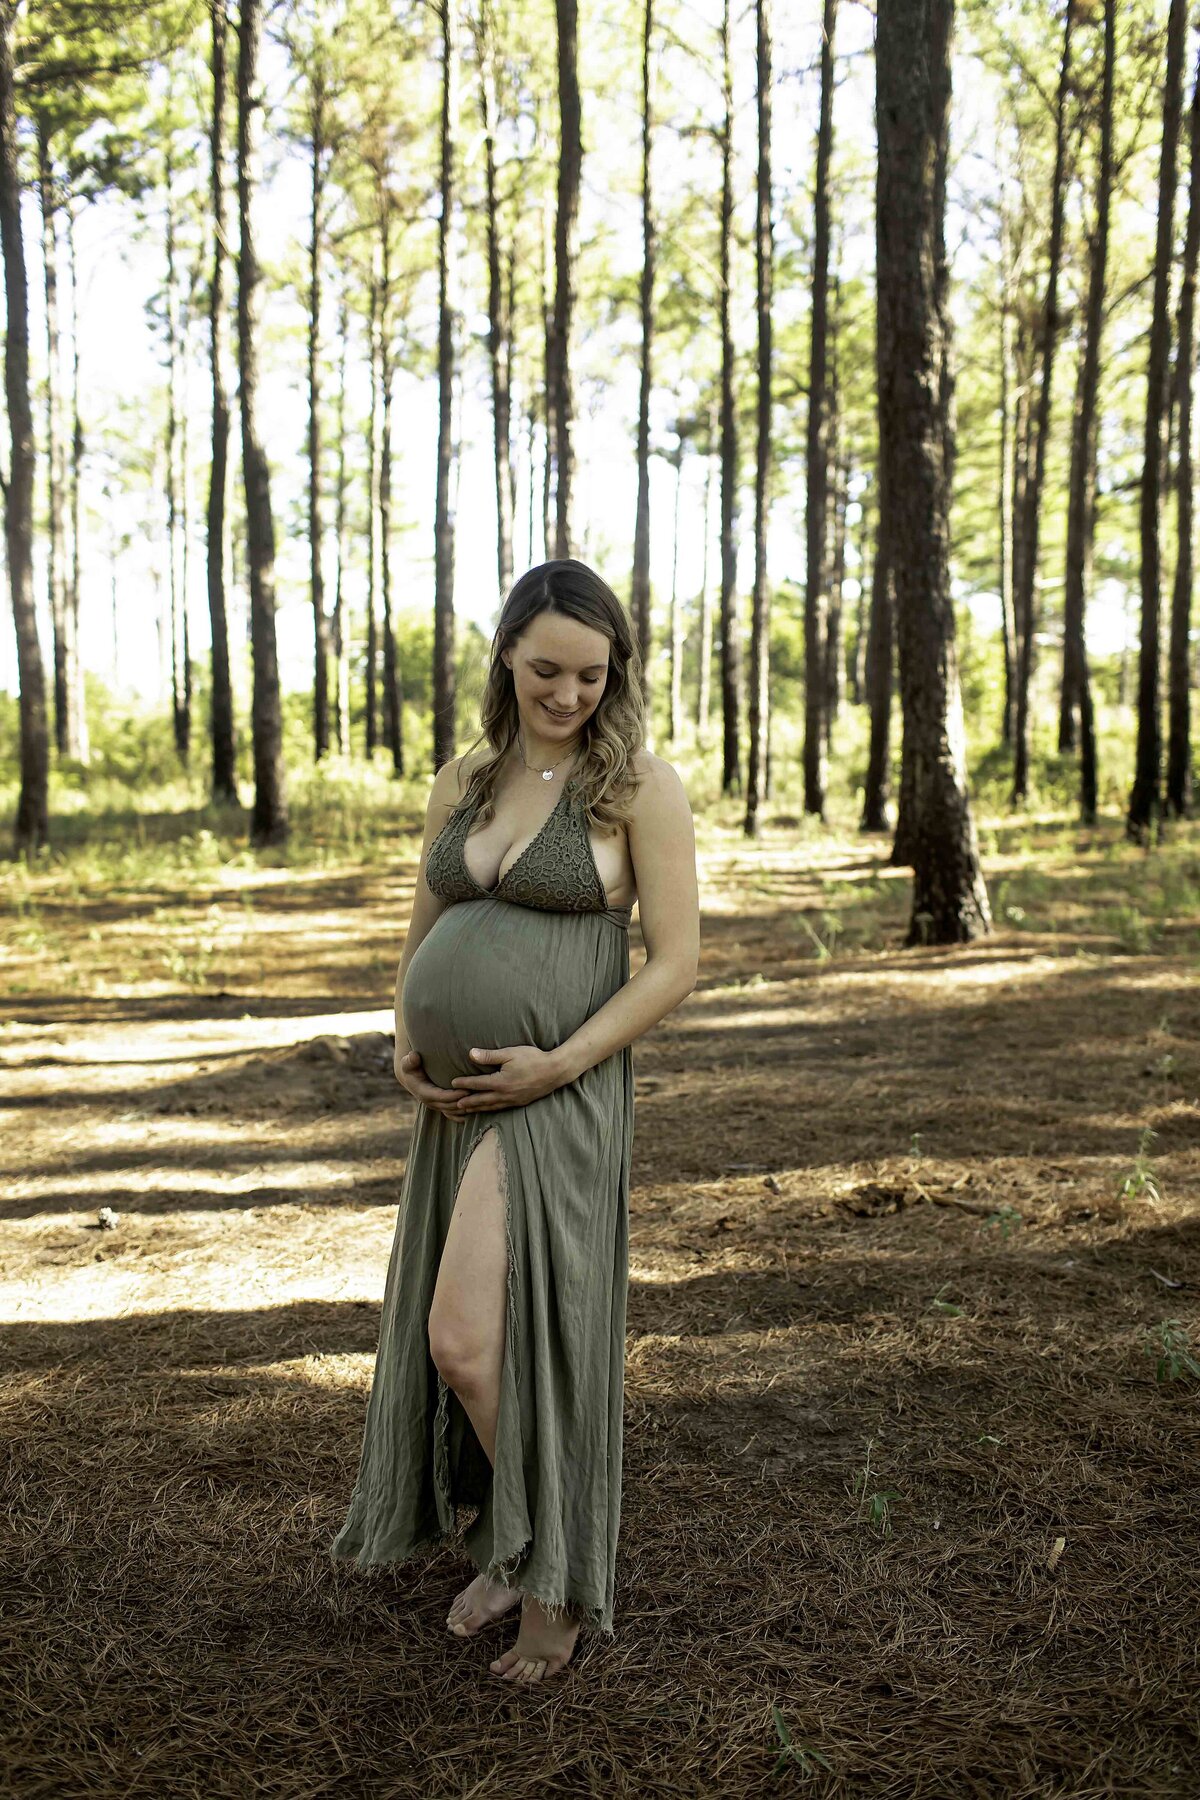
901 1481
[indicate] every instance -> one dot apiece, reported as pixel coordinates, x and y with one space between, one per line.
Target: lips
561 717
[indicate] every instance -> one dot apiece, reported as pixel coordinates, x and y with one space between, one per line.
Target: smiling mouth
559 715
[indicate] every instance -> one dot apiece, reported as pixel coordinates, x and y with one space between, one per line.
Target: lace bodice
556 871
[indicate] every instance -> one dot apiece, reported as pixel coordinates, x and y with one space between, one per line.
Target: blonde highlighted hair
605 780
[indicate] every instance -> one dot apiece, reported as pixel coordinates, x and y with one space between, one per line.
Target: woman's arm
662 843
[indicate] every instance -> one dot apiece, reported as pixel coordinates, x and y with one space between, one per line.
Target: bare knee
458 1355
466 1317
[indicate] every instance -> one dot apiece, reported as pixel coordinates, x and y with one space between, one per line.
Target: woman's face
559 669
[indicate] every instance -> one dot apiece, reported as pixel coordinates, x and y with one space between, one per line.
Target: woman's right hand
411 1075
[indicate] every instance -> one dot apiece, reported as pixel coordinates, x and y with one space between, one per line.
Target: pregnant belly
490 973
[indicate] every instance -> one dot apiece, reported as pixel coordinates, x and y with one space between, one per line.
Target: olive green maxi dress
525 962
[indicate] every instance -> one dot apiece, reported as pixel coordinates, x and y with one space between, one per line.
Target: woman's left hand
521 1073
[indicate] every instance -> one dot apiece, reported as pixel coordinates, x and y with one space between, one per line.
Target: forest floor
911 1442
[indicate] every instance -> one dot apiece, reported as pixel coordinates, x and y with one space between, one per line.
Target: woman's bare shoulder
450 781
655 775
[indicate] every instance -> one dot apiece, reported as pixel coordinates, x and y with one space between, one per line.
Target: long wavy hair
604 782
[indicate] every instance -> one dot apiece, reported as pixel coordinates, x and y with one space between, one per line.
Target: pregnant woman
500 1371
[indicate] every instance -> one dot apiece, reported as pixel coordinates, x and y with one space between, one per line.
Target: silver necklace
546 774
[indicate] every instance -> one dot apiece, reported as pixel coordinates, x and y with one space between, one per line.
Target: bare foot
479 1604
543 1646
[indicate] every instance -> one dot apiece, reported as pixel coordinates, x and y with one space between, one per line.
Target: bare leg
466 1338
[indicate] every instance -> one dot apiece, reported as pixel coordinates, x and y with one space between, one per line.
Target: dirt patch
899 1473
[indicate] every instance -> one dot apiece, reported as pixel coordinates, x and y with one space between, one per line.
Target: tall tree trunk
570 157
269 822
185 493
444 731
836 519
856 679
764 263
1026 594
640 589
65 651
372 670
76 697
1023 415
31 826
678 634
880 655
180 717
1145 798
1081 505
393 718
1007 478
704 684
316 528
550 385
221 732
499 308
834 658
341 631
1179 773
731 641
816 599
913 52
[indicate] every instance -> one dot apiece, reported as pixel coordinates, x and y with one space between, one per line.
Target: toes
503 1663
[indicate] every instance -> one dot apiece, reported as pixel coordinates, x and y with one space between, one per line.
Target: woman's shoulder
654 773
450 782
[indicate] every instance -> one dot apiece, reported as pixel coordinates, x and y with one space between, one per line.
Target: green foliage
1141 1182
1171 1347
802 1755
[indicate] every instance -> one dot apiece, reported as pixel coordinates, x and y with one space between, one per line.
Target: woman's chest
510 846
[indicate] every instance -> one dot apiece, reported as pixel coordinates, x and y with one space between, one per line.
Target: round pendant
547 774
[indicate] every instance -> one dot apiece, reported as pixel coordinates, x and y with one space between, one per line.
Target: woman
500 1371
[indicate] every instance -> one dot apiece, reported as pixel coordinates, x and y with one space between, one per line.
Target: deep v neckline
500 880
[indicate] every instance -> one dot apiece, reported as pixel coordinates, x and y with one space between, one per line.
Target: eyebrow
554 665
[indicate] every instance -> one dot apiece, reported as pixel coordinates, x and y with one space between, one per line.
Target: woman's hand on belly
410 1073
521 1073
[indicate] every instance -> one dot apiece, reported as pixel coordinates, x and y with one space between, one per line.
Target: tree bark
764 263
393 718
31 826
640 588
704 682
372 669
570 157
1081 504
269 823
180 711
1007 478
499 309
444 731
221 729
879 666
678 634
816 599
55 560
341 632
913 53
1026 592
1179 772
731 642
1145 798
76 694
316 527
